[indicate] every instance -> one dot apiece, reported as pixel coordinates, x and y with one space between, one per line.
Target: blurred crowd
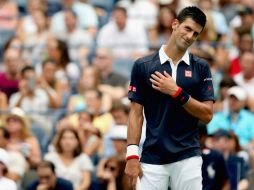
64 74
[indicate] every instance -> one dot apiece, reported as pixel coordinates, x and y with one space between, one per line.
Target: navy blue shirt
171 132
61 184
214 170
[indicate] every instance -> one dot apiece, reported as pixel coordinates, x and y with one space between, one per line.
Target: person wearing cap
236 165
237 118
174 90
5 183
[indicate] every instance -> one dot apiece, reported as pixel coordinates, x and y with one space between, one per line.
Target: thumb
166 74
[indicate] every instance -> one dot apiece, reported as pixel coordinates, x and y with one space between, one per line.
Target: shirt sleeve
206 87
137 85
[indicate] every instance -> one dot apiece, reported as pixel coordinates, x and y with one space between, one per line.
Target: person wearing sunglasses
47 179
110 175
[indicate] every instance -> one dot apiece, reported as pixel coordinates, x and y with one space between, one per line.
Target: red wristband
179 90
132 157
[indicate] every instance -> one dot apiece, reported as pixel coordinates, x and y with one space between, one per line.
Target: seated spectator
91 136
9 78
21 138
89 80
70 162
159 34
120 113
5 183
79 41
9 16
214 169
236 165
236 119
130 39
87 18
110 175
245 78
34 46
112 82
47 179
17 163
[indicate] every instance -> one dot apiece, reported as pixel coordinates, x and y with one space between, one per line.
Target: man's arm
133 169
165 83
202 110
135 123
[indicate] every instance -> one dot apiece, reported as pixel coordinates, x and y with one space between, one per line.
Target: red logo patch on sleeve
188 73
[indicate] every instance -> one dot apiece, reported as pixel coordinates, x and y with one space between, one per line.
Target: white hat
19 113
119 132
4 157
238 92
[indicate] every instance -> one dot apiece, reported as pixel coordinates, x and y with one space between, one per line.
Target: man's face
47 178
12 61
185 33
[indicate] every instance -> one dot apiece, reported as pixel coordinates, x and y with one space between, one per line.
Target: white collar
164 57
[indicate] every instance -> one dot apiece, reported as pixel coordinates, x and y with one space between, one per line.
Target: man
9 78
237 119
48 180
175 90
113 83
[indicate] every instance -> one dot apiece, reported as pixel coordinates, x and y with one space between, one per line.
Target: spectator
30 98
48 179
237 119
110 174
129 41
79 40
161 32
214 169
21 138
70 162
235 164
17 163
87 18
9 78
35 43
112 82
89 80
5 183
245 78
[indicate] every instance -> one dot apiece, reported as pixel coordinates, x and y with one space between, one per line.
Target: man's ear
175 24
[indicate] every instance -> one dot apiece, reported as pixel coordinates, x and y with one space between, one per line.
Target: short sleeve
85 163
136 91
206 87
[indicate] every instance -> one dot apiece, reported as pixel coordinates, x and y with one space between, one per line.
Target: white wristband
132 150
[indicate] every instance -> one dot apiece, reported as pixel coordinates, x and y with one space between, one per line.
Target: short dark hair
46 164
194 13
25 69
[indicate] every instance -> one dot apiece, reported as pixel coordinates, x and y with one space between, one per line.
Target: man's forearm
201 110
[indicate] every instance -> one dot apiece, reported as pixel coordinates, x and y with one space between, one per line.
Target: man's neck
173 52
12 76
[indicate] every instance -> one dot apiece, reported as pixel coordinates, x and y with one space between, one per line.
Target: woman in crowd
21 138
70 162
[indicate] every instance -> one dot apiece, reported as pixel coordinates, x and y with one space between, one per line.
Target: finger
159 74
134 182
155 77
154 82
155 87
166 74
